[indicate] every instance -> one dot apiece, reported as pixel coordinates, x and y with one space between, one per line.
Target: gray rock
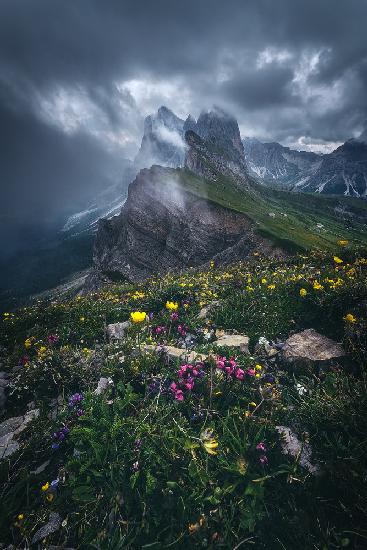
116 331
239 341
312 346
12 427
53 525
292 446
103 385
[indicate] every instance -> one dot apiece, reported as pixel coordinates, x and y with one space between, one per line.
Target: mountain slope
175 218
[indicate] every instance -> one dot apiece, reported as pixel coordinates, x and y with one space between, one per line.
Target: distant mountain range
342 172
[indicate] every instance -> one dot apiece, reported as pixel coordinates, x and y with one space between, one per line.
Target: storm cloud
77 79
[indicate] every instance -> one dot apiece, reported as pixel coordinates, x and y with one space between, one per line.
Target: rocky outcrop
164 227
309 345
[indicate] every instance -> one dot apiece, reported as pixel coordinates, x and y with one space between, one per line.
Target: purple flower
261 447
264 460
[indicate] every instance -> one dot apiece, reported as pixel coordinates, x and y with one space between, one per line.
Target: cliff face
163 227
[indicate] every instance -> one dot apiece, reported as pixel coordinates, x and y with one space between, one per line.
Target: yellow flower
263 280
20 517
45 486
28 343
317 286
82 319
303 292
172 306
258 368
350 318
138 316
338 260
271 287
252 405
343 242
42 352
210 445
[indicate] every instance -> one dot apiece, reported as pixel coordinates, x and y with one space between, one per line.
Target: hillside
209 415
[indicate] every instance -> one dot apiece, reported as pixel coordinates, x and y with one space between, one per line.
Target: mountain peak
220 128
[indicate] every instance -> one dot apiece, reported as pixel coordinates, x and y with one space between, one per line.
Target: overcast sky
77 78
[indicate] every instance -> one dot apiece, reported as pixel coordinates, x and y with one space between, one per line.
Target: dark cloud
77 78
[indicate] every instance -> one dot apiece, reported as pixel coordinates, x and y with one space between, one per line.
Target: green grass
298 229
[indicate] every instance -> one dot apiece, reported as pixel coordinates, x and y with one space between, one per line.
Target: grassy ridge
303 212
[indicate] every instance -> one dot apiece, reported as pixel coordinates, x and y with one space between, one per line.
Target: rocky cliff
164 227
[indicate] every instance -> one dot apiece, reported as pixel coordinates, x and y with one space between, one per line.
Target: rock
176 354
312 346
103 385
53 525
12 427
239 341
116 331
292 446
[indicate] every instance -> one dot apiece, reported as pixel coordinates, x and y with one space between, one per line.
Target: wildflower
258 368
138 316
52 339
303 292
82 319
28 343
174 316
271 287
171 306
261 447
338 260
343 242
210 445
350 318
45 487
263 460
50 497
252 405
317 286
42 352
263 280
20 517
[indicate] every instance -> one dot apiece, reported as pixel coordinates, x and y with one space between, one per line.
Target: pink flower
264 460
261 447
240 374
179 395
174 316
250 372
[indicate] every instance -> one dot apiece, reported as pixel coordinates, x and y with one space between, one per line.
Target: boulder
239 341
116 331
312 346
